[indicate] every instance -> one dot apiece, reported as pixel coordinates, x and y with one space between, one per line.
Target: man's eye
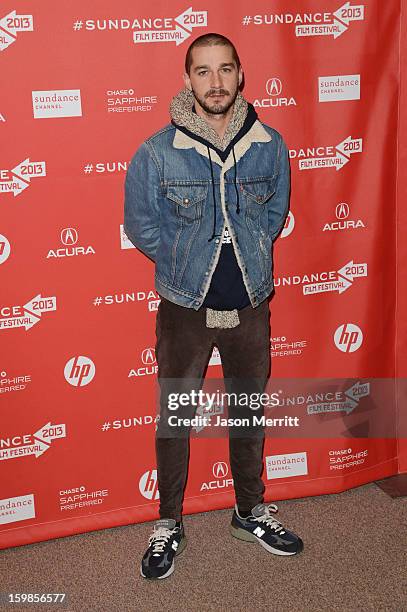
202 72
226 70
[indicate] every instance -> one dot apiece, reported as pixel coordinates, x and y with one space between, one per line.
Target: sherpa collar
257 133
182 115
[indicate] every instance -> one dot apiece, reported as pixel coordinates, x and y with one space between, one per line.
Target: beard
219 108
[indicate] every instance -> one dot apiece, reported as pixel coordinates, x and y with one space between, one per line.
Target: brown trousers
184 345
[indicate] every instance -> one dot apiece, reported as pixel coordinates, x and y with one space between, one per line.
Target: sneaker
260 526
166 541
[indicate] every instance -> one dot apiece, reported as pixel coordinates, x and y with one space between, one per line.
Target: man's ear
240 75
187 81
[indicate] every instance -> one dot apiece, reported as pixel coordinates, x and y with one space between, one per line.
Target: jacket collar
257 133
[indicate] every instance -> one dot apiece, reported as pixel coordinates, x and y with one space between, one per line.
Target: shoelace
269 520
159 539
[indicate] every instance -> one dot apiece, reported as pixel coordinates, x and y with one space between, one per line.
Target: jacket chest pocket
188 200
257 192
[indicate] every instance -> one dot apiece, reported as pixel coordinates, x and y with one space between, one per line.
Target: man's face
214 78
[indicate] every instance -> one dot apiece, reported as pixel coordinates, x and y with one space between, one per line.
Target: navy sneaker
260 526
167 540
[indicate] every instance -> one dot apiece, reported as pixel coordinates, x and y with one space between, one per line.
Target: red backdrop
82 87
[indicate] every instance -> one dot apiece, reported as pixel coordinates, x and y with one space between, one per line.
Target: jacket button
206 273
258 198
186 200
217 240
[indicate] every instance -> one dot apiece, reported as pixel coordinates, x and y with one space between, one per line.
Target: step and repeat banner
83 85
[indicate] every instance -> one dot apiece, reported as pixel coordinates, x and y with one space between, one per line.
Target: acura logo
274 87
342 211
69 236
148 356
220 469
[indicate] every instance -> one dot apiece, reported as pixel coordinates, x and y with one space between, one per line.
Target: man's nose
216 80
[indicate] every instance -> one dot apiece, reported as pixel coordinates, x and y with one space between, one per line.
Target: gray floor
354 559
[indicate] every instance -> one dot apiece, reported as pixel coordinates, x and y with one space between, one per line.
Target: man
205 197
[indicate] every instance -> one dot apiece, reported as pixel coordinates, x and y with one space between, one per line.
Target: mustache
211 92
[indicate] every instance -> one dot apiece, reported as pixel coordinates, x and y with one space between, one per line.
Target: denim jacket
169 213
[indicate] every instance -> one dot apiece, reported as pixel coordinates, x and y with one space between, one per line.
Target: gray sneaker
260 526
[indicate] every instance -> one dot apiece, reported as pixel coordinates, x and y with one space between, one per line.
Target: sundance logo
16 180
151 297
57 103
151 29
311 158
206 411
102 167
36 444
10 25
345 401
344 279
28 315
181 30
326 281
314 24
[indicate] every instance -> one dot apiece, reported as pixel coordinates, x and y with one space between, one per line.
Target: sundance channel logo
57 103
13 509
283 466
338 88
